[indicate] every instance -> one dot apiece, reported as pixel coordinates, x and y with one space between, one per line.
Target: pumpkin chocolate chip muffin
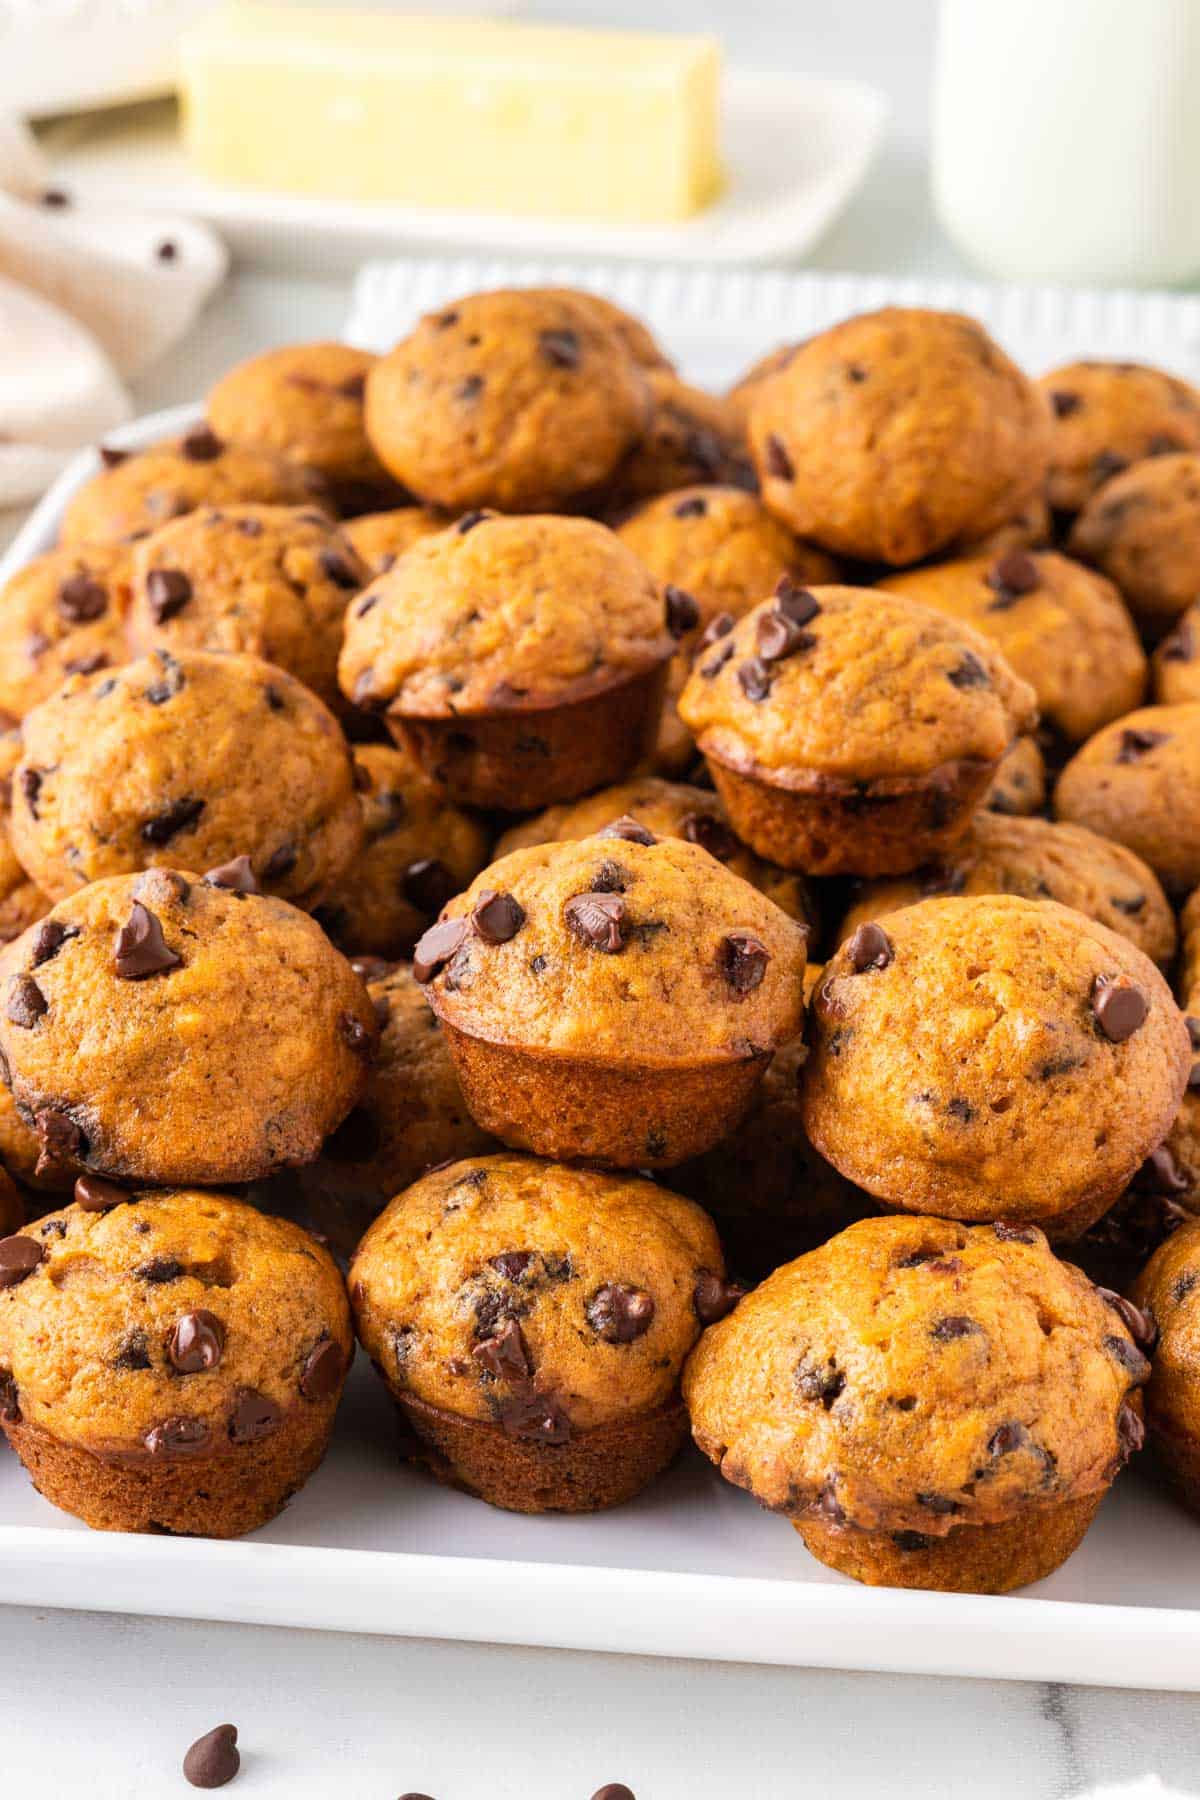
668 809
169 1362
1165 1298
532 1320
418 850
931 1405
159 1028
522 400
191 761
1039 861
305 401
615 999
692 436
993 1056
1142 530
1019 785
62 614
1107 415
379 539
849 731
520 660
135 492
896 434
1060 627
22 902
1029 527
1138 782
412 1117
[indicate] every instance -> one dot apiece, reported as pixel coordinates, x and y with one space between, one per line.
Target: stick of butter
464 113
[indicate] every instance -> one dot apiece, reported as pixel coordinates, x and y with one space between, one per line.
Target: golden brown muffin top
381 538
667 809
914 1374
853 684
304 401
62 613
1142 529
503 613
1168 1289
1108 415
158 1027
535 1295
177 1323
618 950
186 761
137 492
1019 784
1039 861
1060 627
1134 782
991 1056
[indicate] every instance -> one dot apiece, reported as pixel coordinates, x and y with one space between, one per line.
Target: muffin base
220 1496
591 1471
838 828
575 1109
518 760
973 1559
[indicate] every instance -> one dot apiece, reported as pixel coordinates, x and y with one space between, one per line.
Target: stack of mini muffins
675 894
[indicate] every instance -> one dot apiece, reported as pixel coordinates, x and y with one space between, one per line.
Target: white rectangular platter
692 1568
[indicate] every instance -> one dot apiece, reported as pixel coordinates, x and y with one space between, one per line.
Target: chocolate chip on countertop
713 1297
428 884
597 920
19 1257
213 1759
181 815
497 917
436 947
201 444
167 593
26 1002
683 613
141 950
196 1343
869 947
619 1313
614 1790
743 959
94 1194
253 1418
237 876
1120 1007
82 598
628 828
323 1369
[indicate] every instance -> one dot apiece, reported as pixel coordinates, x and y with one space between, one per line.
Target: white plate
796 148
691 1568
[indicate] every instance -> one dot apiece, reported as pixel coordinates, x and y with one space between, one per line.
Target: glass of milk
1066 138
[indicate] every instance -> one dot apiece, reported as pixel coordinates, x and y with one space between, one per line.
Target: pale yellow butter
473 114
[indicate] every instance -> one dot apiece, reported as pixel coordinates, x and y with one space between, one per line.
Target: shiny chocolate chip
427 884
81 598
19 1257
713 1296
177 1437
1012 575
253 1418
778 637
435 948
167 593
1139 1321
628 828
597 920
196 1343
743 961
237 875
1119 1006
869 947
618 1313
180 816
26 1002
754 678
794 603
96 1195
497 917
141 950
505 1355
683 613
323 1369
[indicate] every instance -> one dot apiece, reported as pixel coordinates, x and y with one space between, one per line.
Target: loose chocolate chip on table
619 1313
627 827
19 1257
322 1371
339 570
560 348
597 920
26 1002
202 444
794 603
213 1759
869 947
196 1343
81 598
754 678
1011 576
436 947
743 961
778 462
181 815
253 1418
237 876
683 614
141 950
614 1790
505 1355
167 593
177 1437
94 1194
713 1297
1136 743
1120 1007
497 917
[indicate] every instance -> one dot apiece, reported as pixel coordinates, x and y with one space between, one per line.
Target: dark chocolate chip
1136 743
1120 1007
954 1325
628 828
237 876
160 1271
694 507
1011 576
323 1369
778 462
81 598
1015 1234
469 388
167 593
19 1257
1007 1438
169 683
30 783
717 628
869 947
26 1002
175 1437
253 1418
819 1381
181 815
280 863
471 519
1065 402
969 673
94 1194
683 613
911 1540
614 1790
1129 1356
90 665
778 637
427 884
196 1343
795 603
1139 1321
497 917
713 1297
505 1355
1161 1176
512 1264
754 678
140 949
712 834
10 1406
538 1418
355 1035
619 1313
1131 1431
55 198
133 1352
743 960
597 920
62 1140
437 946
560 348
201 444
940 1504
339 570
213 1759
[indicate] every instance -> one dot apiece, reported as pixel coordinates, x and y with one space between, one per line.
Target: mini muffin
1060 627
531 1322
306 402
932 1406
851 732
1176 662
898 433
1138 782
521 400
720 547
189 761
267 581
412 1118
22 902
169 1362
668 809
520 661
692 436
1108 415
1039 861
992 1056
1030 527
615 999
1166 1297
1019 784
1142 530
379 538
159 1028
418 850
135 492
62 614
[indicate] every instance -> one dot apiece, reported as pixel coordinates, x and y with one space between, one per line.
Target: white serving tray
691 1568
796 148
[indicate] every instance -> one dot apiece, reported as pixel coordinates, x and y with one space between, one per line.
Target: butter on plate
473 114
